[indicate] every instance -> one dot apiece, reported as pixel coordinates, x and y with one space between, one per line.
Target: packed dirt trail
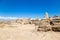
27 32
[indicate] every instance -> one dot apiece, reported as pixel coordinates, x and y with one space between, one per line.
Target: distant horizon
13 17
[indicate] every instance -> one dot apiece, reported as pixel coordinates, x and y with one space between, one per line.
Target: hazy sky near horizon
29 8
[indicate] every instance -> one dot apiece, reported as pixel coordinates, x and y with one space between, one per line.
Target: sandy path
23 33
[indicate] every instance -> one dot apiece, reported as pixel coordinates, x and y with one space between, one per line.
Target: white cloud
1 17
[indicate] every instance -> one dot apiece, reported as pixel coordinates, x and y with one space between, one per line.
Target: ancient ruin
44 24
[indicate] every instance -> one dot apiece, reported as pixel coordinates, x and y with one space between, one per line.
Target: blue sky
29 8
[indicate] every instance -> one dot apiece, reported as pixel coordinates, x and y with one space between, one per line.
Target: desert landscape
26 32
27 29
29 19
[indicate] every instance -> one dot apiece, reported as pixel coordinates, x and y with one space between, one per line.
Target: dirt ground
27 32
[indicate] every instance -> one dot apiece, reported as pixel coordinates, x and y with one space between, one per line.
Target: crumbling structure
48 24
45 24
